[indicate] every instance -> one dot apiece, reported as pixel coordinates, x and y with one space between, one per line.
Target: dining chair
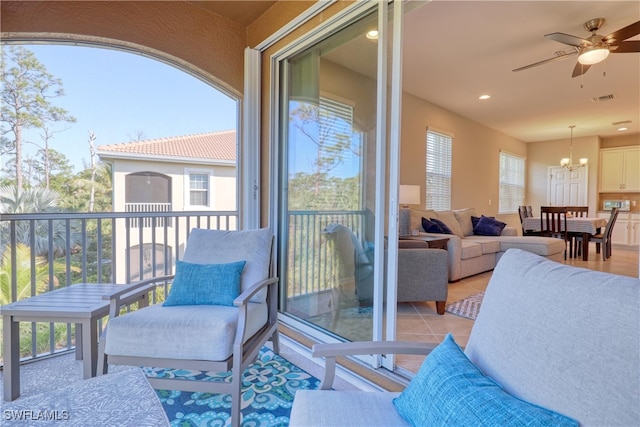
576 212
603 239
553 223
527 212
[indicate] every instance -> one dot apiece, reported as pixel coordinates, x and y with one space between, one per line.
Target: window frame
442 193
515 165
187 188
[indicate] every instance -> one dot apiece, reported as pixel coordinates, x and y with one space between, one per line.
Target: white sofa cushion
538 245
488 244
192 332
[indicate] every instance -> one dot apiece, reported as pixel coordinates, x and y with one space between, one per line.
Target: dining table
588 226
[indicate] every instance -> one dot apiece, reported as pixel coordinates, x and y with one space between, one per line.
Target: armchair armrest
331 351
131 293
245 296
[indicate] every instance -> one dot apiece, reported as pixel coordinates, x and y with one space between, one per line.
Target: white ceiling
455 51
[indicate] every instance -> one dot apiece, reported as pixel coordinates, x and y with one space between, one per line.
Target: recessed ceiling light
372 34
622 129
483 97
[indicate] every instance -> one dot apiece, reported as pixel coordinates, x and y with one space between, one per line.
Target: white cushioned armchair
223 334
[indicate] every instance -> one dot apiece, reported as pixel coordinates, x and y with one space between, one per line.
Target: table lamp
409 195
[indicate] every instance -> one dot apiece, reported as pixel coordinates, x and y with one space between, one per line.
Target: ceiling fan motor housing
593 25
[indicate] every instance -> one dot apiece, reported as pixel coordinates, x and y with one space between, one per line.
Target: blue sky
119 95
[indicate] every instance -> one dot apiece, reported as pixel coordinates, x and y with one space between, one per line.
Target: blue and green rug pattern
268 388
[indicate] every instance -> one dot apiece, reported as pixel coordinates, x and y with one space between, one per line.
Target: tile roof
219 145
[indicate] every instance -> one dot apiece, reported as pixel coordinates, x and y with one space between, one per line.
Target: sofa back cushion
449 218
417 215
222 247
464 219
562 337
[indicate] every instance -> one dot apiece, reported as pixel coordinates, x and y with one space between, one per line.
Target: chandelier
567 162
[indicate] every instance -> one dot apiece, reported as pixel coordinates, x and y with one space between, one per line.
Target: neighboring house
183 173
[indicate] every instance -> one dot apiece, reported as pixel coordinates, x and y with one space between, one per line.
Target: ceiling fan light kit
593 54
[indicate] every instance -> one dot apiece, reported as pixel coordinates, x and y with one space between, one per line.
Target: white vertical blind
438 185
511 182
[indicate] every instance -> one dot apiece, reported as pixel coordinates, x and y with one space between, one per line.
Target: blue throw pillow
488 226
475 219
445 227
450 390
431 227
205 284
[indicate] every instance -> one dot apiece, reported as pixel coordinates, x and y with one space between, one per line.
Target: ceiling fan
593 49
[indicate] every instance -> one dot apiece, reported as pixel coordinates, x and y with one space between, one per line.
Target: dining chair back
527 212
575 212
603 239
553 223
578 211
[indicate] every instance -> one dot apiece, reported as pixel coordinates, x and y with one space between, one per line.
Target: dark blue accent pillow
205 284
449 390
431 227
488 227
475 219
445 227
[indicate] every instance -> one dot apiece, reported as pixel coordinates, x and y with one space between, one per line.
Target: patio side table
82 304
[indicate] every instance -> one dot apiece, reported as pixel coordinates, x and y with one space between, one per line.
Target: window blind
511 182
438 185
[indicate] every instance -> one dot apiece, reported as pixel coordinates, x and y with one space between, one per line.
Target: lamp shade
409 195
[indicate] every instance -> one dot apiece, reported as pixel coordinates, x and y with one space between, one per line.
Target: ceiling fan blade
626 47
569 39
560 55
580 69
622 34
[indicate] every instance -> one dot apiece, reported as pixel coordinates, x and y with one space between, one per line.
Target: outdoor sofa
552 345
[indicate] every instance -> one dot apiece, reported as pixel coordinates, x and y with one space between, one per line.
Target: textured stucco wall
209 42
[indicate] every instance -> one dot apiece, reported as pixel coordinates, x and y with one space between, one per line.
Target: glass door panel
328 182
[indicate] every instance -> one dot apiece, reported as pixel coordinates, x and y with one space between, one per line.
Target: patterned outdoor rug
269 386
468 307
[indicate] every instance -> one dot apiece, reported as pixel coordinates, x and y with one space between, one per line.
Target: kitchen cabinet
626 230
620 169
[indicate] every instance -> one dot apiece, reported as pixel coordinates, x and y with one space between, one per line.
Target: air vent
624 122
603 98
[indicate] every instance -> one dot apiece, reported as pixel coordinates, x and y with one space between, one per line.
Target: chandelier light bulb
567 162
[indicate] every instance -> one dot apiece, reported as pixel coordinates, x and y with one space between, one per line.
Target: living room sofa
469 253
551 335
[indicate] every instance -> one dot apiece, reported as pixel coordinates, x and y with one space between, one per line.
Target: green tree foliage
328 138
51 170
27 91
75 192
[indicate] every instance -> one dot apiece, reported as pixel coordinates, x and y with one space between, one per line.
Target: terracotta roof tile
219 145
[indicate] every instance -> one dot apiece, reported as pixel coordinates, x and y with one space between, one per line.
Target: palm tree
13 200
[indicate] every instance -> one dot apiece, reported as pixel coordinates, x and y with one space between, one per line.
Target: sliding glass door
335 210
